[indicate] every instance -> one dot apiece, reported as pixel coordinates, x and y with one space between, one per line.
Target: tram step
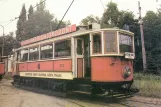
83 87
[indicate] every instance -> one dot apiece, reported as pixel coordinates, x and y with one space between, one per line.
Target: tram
77 58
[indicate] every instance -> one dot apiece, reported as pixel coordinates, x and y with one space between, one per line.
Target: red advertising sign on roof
56 33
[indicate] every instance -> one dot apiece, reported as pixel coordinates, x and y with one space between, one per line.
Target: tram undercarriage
78 86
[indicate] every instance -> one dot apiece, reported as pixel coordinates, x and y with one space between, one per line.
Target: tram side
100 60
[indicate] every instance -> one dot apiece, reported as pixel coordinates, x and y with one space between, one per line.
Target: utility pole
3 41
142 39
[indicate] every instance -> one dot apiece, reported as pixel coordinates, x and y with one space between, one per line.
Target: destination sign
68 29
60 75
46 47
34 50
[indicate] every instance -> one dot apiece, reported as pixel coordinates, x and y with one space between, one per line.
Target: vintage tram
77 58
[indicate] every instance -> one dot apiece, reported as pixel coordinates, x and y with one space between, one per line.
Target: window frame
116 41
92 35
52 50
132 41
38 46
19 54
63 56
82 47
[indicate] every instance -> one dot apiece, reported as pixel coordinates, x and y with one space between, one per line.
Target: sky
10 9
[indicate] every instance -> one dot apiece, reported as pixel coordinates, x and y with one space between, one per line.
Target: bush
148 84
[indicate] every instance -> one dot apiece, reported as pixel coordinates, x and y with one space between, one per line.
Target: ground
15 97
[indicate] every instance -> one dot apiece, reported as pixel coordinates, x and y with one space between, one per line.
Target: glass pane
46 51
63 48
79 47
110 42
34 53
23 55
125 43
96 43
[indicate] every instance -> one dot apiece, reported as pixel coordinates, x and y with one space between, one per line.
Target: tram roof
74 34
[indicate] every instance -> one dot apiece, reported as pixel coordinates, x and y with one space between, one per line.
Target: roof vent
93 26
82 27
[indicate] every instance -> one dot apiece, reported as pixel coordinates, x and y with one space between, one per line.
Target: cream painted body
55 75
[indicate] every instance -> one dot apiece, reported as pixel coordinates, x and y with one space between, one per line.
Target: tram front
112 55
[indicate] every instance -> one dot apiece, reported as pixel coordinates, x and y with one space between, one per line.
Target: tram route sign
68 29
129 55
58 75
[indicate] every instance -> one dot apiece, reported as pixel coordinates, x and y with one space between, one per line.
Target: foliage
111 15
152 26
9 43
20 25
148 84
127 18
39 22
90 19
30 11
41 6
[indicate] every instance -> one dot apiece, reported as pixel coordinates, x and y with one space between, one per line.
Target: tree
9 44
111 15
90 19
23 13
152 26
20 24
30 11
125 18
41 6
40 22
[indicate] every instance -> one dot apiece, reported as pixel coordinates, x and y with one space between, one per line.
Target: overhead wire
102 4
10 22
5 22
39 4
64 15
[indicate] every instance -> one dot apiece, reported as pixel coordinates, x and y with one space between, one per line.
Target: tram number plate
129 55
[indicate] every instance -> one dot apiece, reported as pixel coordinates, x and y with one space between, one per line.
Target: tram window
97 43
18 56
34 53
79 47
63 48
46 51
23 56
110 42
125 43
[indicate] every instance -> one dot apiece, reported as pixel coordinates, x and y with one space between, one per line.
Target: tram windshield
125 43
110 42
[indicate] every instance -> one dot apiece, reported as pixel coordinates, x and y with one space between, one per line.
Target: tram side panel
110 69
63 65
40 66
22 67
59 69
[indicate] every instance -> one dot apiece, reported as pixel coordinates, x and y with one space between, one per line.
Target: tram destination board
58 75
129 55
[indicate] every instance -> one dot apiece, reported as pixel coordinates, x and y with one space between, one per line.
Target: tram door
79 57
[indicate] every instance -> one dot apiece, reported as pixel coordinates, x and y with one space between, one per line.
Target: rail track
79 98
85 99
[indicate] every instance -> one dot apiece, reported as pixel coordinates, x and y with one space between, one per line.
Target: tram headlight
126 72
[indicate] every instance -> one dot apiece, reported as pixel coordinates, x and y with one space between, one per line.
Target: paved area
14 97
